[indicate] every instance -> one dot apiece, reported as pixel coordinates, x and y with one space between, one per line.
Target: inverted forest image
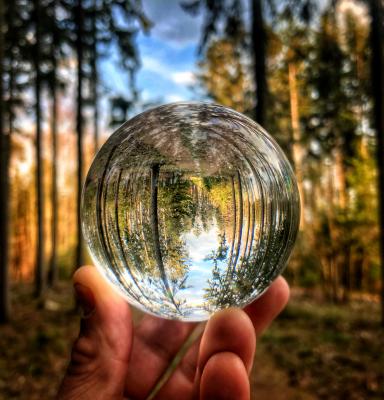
177 241
189 208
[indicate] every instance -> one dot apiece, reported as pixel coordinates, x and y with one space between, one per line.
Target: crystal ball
189 208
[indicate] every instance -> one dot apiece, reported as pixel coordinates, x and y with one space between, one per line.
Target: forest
310 72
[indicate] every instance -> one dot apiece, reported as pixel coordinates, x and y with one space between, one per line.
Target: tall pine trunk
94 80
52 272
155 171
39 262
258 40
297 152
377 79
79 15
4 188
240 222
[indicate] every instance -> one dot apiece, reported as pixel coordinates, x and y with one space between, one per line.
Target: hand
112 360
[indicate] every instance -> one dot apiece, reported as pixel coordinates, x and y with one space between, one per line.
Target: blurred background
311 72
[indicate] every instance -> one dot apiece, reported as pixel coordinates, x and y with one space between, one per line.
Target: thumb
100 355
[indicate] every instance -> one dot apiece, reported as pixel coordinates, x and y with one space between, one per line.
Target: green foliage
339 245
225 77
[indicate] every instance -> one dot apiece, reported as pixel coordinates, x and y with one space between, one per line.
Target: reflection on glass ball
189 208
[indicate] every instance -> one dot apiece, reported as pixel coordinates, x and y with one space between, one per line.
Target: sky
168 55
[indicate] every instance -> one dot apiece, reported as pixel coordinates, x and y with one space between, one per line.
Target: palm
157 341
155 344
111 356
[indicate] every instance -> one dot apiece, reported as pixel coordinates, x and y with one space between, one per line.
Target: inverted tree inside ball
189 208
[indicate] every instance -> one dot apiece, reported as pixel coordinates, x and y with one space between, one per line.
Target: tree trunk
230 261
297 152
155 225
94 81
39 263
4 188
240 222
377 79
330 252
52 273
155 231
258 40
79 127
341 181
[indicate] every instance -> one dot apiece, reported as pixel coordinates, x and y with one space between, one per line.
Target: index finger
267 307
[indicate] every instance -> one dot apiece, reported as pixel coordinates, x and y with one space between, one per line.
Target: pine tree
377 79
36 61
84 19
4 185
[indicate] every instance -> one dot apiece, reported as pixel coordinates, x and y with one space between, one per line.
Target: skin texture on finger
266 308
228 331
100 355
224 377
261 312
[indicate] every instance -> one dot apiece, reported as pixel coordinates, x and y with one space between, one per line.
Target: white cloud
202 245
168 72
183 77
172 98
154 65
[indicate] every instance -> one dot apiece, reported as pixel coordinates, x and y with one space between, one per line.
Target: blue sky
168 55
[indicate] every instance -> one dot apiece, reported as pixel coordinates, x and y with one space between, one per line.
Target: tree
84 19
155 169
335 80
230 15
39 264
225 77
79 46
54 83
12 69
259 39
4 184
95 74
377 79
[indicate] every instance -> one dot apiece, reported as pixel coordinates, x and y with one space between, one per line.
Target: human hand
112 360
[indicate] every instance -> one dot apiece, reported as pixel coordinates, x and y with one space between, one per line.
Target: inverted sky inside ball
189 208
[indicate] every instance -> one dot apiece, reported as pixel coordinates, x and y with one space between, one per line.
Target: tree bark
230 261
39 263
258 40
52 273
377 79
4 189
297 152
79 17
155 170
155 225
95 80
341 180
240 222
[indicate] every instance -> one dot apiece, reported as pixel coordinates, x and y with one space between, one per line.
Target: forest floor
314 350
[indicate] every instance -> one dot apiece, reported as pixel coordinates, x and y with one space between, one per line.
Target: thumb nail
85 298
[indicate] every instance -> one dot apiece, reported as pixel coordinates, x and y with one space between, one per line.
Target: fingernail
85 299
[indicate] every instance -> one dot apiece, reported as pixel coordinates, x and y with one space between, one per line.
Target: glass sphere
189 208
